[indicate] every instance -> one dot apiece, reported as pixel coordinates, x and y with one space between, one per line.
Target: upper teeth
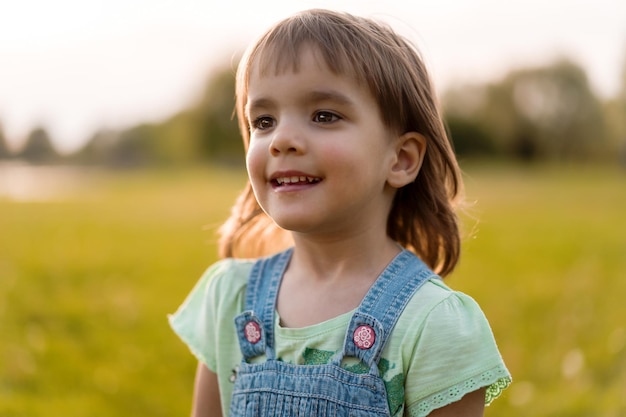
290 180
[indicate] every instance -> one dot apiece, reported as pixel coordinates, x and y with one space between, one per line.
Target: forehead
309 76
278 59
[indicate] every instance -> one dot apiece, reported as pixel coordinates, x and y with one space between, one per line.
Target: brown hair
422 217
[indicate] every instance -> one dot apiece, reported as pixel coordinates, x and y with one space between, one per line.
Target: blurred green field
86 281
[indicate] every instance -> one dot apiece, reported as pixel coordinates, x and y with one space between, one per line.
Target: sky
74 66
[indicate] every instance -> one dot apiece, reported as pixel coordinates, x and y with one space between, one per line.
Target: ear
410 151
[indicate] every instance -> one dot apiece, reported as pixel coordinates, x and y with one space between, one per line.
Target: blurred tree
554 112
206 131
544 112
38 148
176 141
219 136
615 114
5 153
621 127
134 147
469 136
97 149
620 117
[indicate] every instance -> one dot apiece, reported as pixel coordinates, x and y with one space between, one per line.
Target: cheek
255 164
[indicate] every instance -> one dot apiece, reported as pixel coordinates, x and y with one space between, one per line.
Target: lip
290 180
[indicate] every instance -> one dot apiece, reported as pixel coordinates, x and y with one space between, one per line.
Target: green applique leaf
395 393
383 366
316 356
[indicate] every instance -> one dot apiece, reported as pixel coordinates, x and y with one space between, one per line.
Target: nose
286 139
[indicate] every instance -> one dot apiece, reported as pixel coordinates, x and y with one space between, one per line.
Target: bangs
349 46
281 49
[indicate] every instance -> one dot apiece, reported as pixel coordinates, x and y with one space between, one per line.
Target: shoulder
210 307
437 304
439 320
227 276
448 348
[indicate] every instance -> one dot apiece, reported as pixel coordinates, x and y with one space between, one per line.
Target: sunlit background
75 66
119 159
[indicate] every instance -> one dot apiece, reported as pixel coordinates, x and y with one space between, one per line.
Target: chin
296 225
291 226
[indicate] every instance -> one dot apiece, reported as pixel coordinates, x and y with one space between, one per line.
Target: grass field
87 278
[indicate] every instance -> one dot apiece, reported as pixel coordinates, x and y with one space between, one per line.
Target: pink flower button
252 332
364 337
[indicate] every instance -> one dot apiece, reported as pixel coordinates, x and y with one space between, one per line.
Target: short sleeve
455 354
209 309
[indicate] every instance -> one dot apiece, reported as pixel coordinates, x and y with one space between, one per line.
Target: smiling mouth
295 180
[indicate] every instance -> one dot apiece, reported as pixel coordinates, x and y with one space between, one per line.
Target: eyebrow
314 96
330 95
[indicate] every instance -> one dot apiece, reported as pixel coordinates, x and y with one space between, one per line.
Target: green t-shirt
440 349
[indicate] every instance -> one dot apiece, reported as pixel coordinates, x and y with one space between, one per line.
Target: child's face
319 154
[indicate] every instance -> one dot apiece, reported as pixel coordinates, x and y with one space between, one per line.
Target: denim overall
272 388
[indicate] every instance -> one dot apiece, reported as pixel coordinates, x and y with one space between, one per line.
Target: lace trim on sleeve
496 380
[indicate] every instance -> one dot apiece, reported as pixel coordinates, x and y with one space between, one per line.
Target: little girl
353 181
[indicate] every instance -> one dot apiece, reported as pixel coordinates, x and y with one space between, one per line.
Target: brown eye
325 117
263 123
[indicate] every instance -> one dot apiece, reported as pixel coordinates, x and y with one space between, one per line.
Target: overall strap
376 316
255 326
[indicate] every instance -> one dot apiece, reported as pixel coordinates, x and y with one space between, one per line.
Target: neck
326 259
337 273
